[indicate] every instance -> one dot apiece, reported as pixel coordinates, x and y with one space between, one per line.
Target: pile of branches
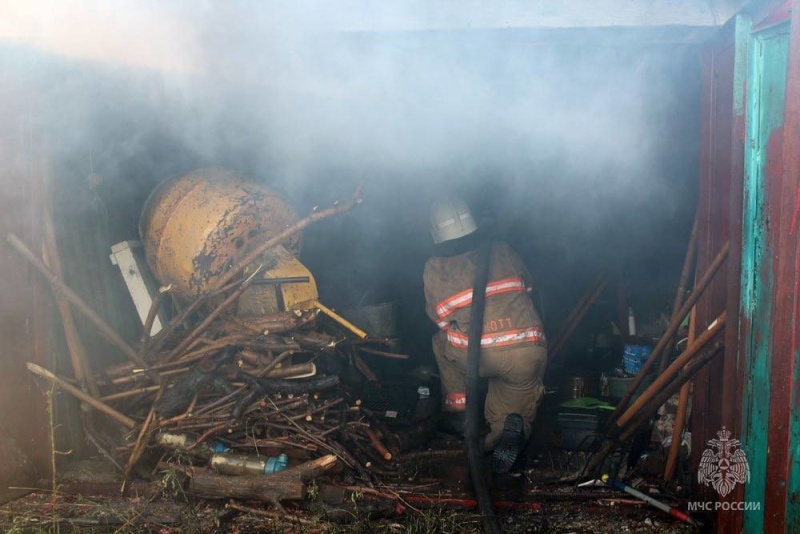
237 389
211 381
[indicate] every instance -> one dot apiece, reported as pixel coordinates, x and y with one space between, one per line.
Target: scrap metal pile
212 386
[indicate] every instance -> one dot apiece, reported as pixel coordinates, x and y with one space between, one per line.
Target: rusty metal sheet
717 390
786 332
733 372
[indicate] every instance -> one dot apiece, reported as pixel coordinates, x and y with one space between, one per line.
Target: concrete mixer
196 226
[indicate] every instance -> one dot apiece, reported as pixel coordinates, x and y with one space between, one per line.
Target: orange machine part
196 226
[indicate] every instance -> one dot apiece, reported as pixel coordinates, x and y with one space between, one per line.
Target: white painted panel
123 256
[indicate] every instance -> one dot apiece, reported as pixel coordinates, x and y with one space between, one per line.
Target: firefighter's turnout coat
513 346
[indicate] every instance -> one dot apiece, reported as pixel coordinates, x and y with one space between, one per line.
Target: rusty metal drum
196 226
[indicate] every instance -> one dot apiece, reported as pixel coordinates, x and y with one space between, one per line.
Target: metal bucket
618 386
577 387
377 320
580 384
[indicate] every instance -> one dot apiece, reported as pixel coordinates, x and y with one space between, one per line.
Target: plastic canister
276 463
634 357
247 464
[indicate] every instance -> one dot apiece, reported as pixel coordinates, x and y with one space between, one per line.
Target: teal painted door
769 52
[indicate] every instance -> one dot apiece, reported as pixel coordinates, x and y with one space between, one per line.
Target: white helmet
451 219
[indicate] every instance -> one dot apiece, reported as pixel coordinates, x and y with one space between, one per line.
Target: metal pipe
339 319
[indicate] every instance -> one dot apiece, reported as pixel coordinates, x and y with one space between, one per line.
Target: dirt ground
39 512
429 495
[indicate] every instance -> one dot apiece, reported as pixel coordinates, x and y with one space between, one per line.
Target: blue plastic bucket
634 357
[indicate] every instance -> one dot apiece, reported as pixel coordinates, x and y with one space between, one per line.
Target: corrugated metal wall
30 326
24 439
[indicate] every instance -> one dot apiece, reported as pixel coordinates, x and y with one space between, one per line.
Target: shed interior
579 146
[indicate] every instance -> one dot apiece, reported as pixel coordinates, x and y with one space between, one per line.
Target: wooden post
688 260
576 309
622 301
75 346
691 251
620 434
680 414
588 303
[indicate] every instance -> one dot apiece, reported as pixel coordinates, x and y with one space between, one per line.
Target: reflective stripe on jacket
464 299
509 316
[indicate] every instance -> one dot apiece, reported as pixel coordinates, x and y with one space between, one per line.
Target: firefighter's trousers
515 382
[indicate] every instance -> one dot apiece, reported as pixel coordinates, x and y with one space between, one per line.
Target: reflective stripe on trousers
456 402
533 334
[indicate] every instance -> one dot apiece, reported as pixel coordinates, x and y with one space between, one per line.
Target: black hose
490 524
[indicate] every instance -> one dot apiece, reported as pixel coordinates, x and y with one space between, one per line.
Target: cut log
264 488
285 485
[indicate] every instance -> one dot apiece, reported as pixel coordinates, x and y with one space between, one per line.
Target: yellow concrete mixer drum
196 226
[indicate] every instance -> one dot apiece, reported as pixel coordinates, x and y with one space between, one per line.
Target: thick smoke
581 146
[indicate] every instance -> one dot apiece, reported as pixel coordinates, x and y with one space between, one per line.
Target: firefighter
513 347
